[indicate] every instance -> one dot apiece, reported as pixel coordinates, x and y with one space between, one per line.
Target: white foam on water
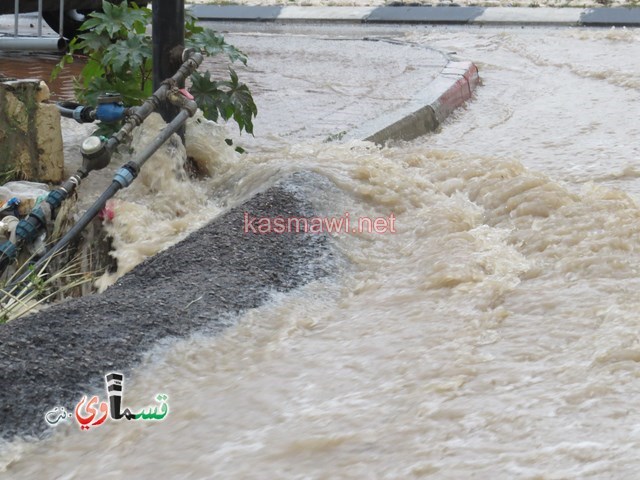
494 335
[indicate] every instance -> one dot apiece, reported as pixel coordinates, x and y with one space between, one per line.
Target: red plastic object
107 213
186 93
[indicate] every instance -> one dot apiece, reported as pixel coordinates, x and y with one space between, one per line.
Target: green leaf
92 69
226 99
212 44
127 56
92 42
119 52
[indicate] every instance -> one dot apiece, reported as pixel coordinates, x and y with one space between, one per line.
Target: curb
592 17
425 113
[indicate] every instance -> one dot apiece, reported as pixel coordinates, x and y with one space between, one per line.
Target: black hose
67 108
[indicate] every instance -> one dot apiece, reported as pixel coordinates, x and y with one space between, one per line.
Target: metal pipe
61 23
118 183
16 16
139 114
39 18
168 42
49 44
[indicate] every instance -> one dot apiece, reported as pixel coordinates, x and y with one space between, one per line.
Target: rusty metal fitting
182 99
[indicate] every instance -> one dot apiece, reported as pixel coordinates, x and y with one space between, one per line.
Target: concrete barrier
426 112
30 134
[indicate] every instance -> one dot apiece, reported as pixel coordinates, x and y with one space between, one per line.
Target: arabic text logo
92 412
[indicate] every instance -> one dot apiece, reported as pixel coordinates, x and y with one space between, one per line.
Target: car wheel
73 19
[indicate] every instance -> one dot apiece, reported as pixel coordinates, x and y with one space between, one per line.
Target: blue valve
110 112
110 108
12 203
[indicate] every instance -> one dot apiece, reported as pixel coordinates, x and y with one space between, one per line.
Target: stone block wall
30 134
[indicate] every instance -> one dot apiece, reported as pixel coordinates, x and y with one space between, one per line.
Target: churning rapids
495 335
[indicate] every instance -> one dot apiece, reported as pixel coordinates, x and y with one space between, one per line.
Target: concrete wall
30 135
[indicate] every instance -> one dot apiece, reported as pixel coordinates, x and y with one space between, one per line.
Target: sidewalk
450 15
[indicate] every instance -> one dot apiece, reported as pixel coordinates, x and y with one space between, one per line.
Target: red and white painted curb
458 80
453 86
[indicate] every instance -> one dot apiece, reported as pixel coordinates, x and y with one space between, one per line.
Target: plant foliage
119 59
39 288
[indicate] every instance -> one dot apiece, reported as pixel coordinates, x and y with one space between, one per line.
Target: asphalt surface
54 357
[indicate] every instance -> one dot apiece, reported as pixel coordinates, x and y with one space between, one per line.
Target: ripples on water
40 66
495 335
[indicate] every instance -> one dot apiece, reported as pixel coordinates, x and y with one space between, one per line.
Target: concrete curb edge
594 17
425 113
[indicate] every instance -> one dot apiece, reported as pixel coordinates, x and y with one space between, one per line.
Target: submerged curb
592 17
425 113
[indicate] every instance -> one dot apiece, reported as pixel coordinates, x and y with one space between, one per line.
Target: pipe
61 24
29 228
122 179
191 61
39 18
41 44
66 109
100 156
167 35
16 17
96 155
80 113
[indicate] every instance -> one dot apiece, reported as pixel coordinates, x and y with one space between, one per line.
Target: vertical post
168 42
16 16
39 18
61 22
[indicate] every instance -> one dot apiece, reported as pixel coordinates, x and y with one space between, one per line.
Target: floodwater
495 335
40 66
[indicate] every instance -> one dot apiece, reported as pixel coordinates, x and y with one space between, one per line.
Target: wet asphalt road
54 357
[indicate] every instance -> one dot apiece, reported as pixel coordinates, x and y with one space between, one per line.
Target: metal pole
39 44
61 24
168 43
39 18
16 14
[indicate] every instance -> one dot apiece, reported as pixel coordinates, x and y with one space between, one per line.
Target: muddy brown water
495 335
41 66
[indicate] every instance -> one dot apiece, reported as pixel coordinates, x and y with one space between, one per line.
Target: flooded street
562 102
495 335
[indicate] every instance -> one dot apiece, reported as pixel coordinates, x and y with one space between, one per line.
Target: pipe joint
126 175
8 253
182 99
70 185
27 229
55 199
84 114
